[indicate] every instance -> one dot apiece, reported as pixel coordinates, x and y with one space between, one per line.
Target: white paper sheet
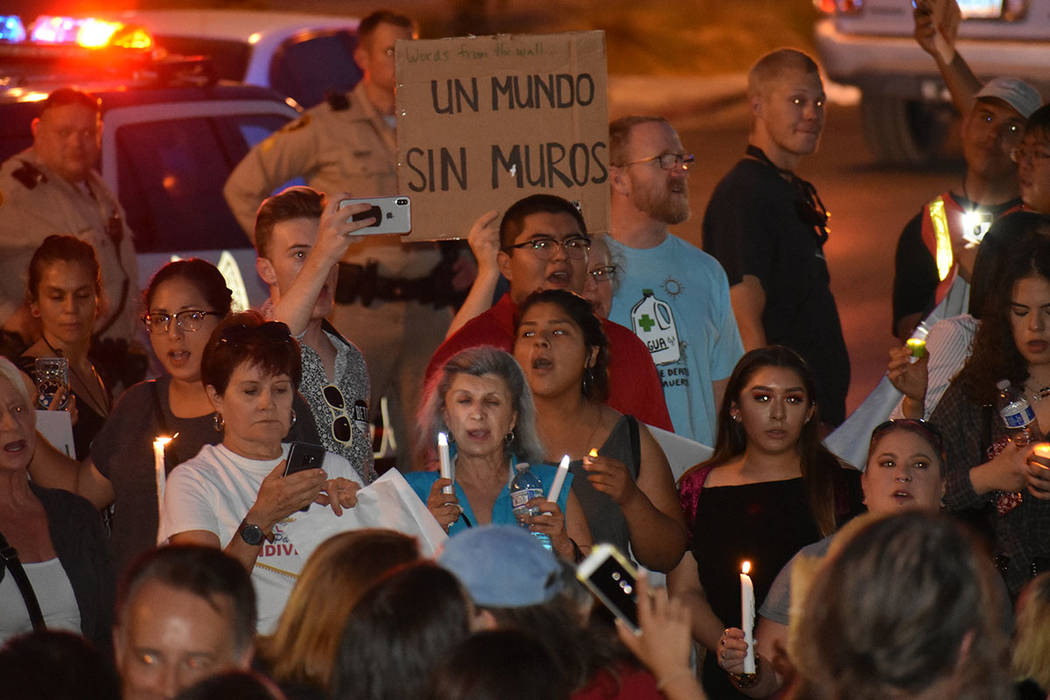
389 502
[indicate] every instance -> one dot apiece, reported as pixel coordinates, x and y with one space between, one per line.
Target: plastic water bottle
1017 415
523 488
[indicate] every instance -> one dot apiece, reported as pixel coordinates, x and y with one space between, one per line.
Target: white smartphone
392 215
610 577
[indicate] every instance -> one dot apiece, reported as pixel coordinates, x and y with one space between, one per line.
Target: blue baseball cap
503 566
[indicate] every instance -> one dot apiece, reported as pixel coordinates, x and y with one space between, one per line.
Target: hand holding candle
559 479
446 462
917 348
1040 455
1038 477
747 615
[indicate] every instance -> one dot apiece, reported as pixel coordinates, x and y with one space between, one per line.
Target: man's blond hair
769 69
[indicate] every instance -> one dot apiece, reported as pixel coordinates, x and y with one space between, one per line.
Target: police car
172 130
904 105
302 56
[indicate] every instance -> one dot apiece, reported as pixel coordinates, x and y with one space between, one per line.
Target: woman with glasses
236 495
989 476
65 293
625 489
602 277
905 471
184 301
770 488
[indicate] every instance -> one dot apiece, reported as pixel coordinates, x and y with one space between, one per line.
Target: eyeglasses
1028 155
810 209
666 161
575 247
189 321
921 427
605 273
341 428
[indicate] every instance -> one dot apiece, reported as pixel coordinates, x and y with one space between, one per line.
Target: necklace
1041 394
99 404
1037 394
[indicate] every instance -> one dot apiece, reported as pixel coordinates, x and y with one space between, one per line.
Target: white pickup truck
904 104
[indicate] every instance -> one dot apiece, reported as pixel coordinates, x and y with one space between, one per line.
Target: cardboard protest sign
485 121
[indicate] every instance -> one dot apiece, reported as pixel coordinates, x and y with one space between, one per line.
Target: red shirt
634 385
628 684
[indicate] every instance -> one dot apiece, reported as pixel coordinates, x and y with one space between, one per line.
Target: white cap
1014 92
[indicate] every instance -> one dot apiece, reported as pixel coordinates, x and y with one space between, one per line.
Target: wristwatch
252 534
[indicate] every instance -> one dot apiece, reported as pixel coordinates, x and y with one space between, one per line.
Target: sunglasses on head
271 330
920 427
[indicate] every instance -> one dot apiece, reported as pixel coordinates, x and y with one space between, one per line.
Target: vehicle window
229 58
240 133
304 68
171 175
15 132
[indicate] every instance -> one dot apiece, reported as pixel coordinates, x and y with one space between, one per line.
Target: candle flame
443 439
593 453
1043 449
163 439
745 567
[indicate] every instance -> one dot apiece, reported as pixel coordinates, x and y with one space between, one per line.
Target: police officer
52 187
392 297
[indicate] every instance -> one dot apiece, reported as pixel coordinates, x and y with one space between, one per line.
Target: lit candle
559 479
747 615
446 462
1041 455
158 467
917 346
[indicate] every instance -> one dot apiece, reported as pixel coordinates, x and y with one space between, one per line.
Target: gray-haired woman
481 401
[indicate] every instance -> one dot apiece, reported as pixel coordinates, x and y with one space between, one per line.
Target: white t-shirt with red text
214 491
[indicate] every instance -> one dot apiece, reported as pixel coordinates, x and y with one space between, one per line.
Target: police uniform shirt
336 147
35 203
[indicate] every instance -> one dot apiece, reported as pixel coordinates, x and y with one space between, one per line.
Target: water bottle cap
1003 384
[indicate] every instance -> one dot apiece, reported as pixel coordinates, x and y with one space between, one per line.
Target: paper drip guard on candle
747 615
559 480
446 462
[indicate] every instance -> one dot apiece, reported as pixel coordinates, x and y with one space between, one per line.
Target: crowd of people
139 568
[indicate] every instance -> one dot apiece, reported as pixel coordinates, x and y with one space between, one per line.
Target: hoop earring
509 437
588 381
293 419
218 422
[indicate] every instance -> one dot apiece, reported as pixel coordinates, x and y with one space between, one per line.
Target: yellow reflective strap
943 236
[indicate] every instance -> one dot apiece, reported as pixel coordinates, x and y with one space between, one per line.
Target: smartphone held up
391 215
610 577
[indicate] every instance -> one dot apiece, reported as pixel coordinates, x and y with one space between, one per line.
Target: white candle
747 615
446 463
158 467
559 480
